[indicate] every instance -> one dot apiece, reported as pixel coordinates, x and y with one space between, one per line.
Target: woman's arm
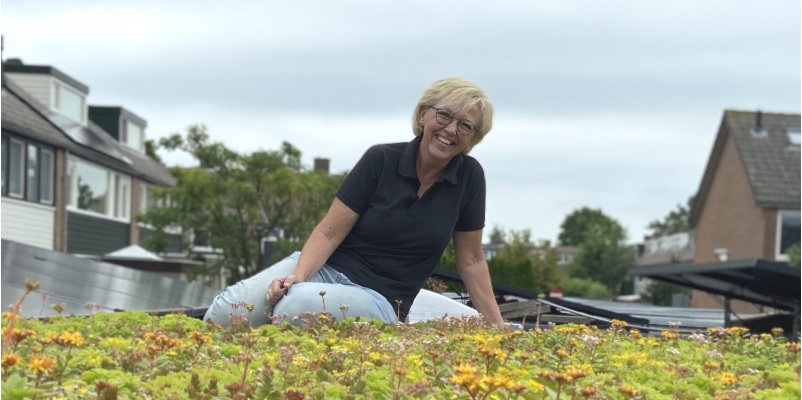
473 270
322 242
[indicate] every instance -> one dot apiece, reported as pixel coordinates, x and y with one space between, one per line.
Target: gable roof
26 116
771 161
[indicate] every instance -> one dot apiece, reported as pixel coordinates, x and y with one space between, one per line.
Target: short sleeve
360 183
472 213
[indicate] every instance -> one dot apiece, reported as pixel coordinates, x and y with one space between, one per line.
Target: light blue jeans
301 298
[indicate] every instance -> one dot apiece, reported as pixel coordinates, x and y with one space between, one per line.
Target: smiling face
440 143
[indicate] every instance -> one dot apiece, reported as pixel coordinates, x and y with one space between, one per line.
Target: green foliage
448 260
238 199
603 254
586 288
660 293
178 357
793 255
524 264
676 221
586 223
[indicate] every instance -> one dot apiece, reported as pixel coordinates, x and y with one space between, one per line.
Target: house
747 205
74 176
665 249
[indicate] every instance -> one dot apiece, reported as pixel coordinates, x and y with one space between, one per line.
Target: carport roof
768 283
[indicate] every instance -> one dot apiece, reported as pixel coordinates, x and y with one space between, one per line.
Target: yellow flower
69 339
535 385
711 365
618 324
727 378
199 338
738 330
669 335
628 390
41 364
635 334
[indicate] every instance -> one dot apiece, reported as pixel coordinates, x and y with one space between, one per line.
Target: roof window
793 136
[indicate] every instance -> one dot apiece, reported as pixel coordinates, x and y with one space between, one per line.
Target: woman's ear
421 113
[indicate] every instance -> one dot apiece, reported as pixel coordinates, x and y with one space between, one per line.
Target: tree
545 269
676 221
238 199
521 263
661 293
496 235
793 255
603 254
587 222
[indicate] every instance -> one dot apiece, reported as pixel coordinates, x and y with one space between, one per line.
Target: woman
392 217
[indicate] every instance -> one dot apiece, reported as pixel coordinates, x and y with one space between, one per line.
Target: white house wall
27 223
37 85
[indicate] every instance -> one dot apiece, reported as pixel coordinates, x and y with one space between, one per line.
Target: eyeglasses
464 127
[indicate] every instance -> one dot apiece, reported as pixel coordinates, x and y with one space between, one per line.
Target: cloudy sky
611 105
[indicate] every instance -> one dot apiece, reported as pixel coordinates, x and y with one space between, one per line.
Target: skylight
793 136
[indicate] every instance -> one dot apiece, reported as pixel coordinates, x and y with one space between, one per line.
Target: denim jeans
301 298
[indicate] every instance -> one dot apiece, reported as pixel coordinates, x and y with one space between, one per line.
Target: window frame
125 135
42 184
778 254
58 90
26 147
21 169
116 207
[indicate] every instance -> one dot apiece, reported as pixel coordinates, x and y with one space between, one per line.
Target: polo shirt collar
407 165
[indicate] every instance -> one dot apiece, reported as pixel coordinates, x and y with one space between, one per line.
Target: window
787 232
33 173
27 171
793 136
16 168
4 148
68 102
122 185
46 176
146 199
95 189
132 135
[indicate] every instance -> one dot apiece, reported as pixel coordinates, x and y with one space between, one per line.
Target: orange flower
10 360
41 364
69 339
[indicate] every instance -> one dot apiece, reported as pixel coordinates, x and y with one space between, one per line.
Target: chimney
322 165
758 131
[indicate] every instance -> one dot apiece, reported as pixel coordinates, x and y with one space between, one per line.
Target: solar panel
75 281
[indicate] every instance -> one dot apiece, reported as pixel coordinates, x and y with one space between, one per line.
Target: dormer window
132 135
69 102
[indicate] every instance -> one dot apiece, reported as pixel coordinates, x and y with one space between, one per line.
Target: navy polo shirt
398 239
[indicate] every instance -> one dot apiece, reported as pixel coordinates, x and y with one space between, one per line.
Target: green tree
524 264
793 255
676 221
603 254
512 263
586 288
238 199
587 222
661 293
545 269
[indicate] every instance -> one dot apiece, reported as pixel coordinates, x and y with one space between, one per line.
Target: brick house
747 205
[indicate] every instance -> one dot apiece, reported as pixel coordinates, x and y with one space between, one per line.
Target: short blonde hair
459 96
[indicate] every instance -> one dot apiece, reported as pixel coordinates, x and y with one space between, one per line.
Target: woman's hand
278 288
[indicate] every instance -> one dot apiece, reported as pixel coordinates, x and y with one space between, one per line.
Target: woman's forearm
324 239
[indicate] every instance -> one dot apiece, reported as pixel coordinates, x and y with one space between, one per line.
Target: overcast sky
611 105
